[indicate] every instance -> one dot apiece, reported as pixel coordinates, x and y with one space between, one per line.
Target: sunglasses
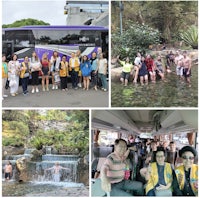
190 158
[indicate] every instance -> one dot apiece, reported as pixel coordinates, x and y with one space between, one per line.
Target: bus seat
105 151
102 151
96 189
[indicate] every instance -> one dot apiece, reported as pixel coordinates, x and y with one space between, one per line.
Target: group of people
56 171
80 68
147 69
151 169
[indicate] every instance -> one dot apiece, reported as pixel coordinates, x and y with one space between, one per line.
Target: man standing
179 64
113 173
187 67
8 171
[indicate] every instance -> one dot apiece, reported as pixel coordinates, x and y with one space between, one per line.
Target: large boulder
21 165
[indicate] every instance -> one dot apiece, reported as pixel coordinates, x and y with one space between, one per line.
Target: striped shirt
115 168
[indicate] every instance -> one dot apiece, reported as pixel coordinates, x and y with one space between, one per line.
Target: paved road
57 98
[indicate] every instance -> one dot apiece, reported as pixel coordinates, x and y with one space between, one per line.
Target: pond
171 93
43 189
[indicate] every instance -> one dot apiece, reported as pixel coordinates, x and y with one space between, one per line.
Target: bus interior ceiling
136 122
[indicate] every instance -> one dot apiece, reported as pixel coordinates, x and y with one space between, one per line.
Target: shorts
125 75
45 71
185 70
7 175
179 71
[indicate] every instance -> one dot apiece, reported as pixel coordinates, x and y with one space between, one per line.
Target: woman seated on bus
45 71
126 70
159 176
55 63
186 176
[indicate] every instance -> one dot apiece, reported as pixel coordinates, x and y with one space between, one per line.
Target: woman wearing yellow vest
4 75
74 67
63 73
24 75
186 176
159 176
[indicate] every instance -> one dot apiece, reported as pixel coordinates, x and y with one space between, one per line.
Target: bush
190 36
137 38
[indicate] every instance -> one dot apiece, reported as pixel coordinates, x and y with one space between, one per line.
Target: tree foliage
169 17
25 22
16 129
137 38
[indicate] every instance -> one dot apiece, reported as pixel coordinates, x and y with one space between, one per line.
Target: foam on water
61 184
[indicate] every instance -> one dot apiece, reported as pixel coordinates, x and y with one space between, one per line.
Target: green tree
25 22
169 17
136 38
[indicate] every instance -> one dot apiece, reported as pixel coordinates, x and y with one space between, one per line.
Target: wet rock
22 169
8 151
36 155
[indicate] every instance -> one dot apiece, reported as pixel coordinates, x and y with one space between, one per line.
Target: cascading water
68 168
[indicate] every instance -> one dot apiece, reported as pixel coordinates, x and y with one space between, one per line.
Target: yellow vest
153 180
4 72
76 64
180 175
64 69
23 69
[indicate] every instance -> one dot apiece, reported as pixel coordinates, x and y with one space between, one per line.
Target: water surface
171 93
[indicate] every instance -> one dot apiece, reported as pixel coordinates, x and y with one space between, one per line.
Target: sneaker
37 90
56 86
25 94
53 87
47 88
43 89
13 94
33 91
76 88
5 96
79 85
104 89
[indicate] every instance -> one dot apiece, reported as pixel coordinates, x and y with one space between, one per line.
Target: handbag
163 193
56 77
7 84
26 75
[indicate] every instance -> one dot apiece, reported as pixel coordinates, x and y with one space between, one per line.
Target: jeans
25 84
74 78
103 80
94 78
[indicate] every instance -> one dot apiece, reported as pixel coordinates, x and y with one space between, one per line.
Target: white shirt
137 61
102 65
